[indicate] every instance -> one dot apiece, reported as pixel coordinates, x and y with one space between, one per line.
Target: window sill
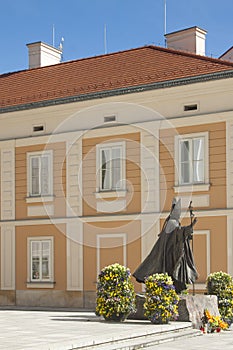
192 188
110 194
46 285
40 199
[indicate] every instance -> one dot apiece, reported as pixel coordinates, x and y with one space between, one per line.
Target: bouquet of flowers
212 323
116 298
161 303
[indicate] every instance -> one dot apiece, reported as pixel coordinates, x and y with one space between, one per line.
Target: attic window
192 107
38 128
110 118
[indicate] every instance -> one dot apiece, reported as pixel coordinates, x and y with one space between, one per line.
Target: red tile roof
135 67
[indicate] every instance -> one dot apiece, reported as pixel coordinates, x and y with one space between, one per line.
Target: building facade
92 153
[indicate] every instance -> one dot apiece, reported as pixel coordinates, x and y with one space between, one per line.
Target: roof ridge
193 55
149 46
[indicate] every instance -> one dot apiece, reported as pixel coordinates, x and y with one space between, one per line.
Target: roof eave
121 91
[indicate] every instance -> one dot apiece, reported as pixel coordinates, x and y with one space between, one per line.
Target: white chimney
41 54
190 40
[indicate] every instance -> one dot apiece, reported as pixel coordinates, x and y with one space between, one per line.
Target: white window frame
110 146
191 186
40 282
30 156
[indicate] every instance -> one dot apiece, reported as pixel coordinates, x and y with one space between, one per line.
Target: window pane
198 149
35 170
185 149
185 173
105 169
116 168
35 268
45 175
45 259
198 171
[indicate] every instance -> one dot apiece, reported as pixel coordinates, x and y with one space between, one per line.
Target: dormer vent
110 119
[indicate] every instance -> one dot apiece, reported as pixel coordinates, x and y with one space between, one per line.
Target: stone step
143 341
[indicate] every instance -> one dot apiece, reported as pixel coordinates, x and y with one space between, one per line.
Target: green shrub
221 285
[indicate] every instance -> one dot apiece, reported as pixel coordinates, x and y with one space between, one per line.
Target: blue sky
129 23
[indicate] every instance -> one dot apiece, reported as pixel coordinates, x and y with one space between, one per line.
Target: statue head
176 209
173 221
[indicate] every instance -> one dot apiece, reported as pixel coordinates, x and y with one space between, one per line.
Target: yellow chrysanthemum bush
221 284
161 304
116 297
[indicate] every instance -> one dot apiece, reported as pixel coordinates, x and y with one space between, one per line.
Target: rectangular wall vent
110 118
38 128
192 107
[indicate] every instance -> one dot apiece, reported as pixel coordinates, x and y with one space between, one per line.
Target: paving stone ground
64 330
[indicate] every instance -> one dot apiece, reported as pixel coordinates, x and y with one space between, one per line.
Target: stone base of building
48 298
7 297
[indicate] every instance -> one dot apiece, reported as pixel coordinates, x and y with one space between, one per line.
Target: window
192 159
111 166
40 174
41 258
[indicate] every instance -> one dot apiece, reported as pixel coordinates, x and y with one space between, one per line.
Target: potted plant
115 293
161 304
221 285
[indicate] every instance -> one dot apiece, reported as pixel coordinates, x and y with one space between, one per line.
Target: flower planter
116 318
161 300
159 321
115 293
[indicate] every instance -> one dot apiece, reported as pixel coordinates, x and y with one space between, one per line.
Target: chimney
41 54
190 40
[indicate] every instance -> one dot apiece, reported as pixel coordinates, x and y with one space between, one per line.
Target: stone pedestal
191 308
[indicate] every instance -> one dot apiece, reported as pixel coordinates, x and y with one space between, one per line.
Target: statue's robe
172 254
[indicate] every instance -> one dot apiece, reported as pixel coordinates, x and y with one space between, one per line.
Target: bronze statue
171 253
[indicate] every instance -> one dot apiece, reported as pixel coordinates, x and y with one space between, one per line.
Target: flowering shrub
161 303
115 292
221 284
212 323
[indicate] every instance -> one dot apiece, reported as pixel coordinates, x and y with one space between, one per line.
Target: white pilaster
150 168
230 245
74 177
8 257
74 255
8 180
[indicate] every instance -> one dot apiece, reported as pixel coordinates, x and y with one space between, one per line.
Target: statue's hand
189 232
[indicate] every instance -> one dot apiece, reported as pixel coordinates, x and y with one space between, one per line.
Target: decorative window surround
111 194
192 186
100 237
208 254
35 285
108 186
37 158
39 199
40 282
